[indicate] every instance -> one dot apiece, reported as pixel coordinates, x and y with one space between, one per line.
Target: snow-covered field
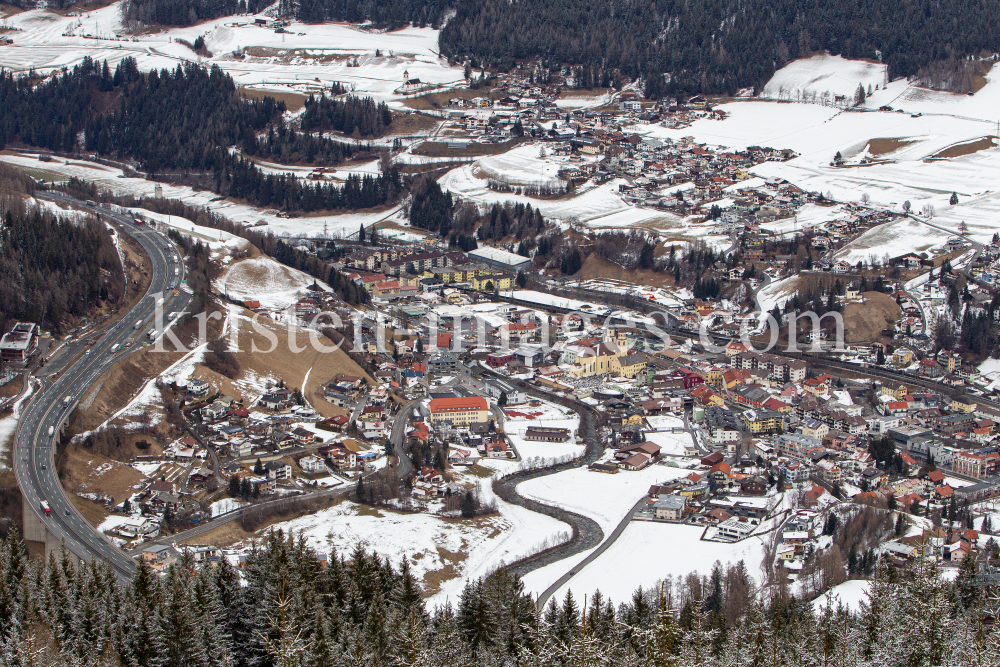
850 594
604 498
450 551
647 552
669 549
522 165
334 226
891 240
671 444
225 506
305 59
582 102
469 182
775 294
275 285
824 77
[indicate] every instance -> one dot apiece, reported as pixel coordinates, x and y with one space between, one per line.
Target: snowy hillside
262 279
824 78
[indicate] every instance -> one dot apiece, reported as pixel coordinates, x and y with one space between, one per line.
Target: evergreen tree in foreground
285 608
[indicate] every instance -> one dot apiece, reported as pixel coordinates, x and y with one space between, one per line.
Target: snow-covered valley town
557 340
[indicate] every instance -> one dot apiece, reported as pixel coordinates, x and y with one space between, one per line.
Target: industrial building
501 259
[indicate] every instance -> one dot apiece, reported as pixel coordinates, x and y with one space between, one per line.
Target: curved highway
76 369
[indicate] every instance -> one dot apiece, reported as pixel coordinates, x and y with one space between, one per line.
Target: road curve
78 368
398 437
587 534
543 598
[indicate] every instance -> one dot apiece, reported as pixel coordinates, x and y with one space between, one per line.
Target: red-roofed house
944 492
895 407
935 476
460 411
778 406
720 472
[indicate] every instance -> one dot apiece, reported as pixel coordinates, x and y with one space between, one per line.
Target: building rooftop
497 255
458 403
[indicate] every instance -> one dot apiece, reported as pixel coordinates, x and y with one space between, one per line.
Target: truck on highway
138 324
52 431
45 508
151 335
66 401
175 270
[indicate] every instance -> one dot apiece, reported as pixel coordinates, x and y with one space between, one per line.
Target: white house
312 464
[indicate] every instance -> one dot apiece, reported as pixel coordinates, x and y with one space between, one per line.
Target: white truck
66 401
138 324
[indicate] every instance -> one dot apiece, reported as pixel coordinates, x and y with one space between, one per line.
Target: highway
78 368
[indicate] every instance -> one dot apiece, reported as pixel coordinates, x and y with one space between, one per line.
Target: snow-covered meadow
262 279
444 552
305 59
824 77
334 225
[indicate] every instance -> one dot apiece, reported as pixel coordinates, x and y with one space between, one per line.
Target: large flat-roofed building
460 411
500 258
19 342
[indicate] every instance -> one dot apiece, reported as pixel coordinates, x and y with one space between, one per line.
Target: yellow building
734 348
618 336
902 357
631 365
763 421
714 376
492 281
897 390
385 289
596 361
446 274
704 395
962 406
460 411
632 420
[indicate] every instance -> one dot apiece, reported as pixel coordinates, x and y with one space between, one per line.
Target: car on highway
67 512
